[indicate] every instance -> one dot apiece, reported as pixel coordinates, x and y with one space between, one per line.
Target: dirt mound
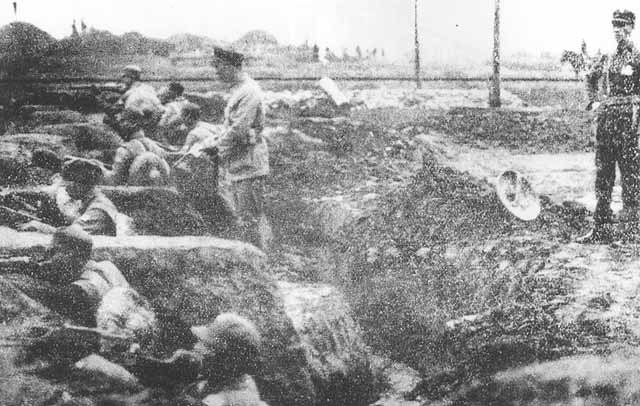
23 39
442 205
526 130
444 247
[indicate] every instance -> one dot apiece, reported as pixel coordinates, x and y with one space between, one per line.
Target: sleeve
96 221
120 168
592 78
241 118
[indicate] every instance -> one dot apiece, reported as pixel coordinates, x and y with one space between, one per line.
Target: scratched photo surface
319 203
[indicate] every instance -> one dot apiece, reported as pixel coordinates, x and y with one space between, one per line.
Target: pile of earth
530 130
22 45
444 247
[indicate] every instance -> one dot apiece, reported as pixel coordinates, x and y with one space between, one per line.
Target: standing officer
243 153
617 131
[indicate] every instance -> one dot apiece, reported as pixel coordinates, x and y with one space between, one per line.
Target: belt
621 101
633 101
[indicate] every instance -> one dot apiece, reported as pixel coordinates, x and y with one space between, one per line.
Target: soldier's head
130 75
131 124
623 22
190 115
228 64
80 177
230 345
171 92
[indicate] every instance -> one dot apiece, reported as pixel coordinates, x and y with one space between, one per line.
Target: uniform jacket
617 75
127 153
242 149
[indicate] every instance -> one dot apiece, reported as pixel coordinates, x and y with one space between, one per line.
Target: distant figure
577 61
316 53
83 27
617 132
359 52
74 30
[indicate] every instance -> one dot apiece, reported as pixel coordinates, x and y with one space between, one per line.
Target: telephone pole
418 82
494 96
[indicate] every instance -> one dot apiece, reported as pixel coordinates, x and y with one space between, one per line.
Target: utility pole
15 10
418 82
494 95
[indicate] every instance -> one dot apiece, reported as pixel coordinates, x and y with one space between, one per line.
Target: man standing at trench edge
616 132
243 152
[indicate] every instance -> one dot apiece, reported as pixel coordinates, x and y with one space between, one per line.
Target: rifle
19 265
4 210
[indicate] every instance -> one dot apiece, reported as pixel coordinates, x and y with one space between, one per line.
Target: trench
326 190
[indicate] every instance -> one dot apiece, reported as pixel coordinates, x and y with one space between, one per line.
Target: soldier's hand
593 106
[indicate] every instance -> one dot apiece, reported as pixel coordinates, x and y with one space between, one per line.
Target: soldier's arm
96 222
120 169
241 120
183 367
592 80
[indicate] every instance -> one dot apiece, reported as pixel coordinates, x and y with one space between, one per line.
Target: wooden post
494 95
418 82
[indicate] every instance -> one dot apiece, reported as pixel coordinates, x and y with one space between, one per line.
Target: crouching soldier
77 201
219 368
140 161
95 296
136 96
80 285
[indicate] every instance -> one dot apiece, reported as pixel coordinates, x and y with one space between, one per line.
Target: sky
449 30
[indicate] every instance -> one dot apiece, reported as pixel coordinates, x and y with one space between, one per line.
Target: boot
601 234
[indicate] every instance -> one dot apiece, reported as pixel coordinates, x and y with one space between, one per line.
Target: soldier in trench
616 132
218 371
136 96
90 293
242 150
77 201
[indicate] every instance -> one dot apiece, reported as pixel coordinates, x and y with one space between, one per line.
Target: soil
398 209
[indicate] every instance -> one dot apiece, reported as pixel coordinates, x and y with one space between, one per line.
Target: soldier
140 161
243 153
77 201
225 358
616 132
136 96
170 127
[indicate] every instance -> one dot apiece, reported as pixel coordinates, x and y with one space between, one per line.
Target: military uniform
135 159
618 78
244 156
95 213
